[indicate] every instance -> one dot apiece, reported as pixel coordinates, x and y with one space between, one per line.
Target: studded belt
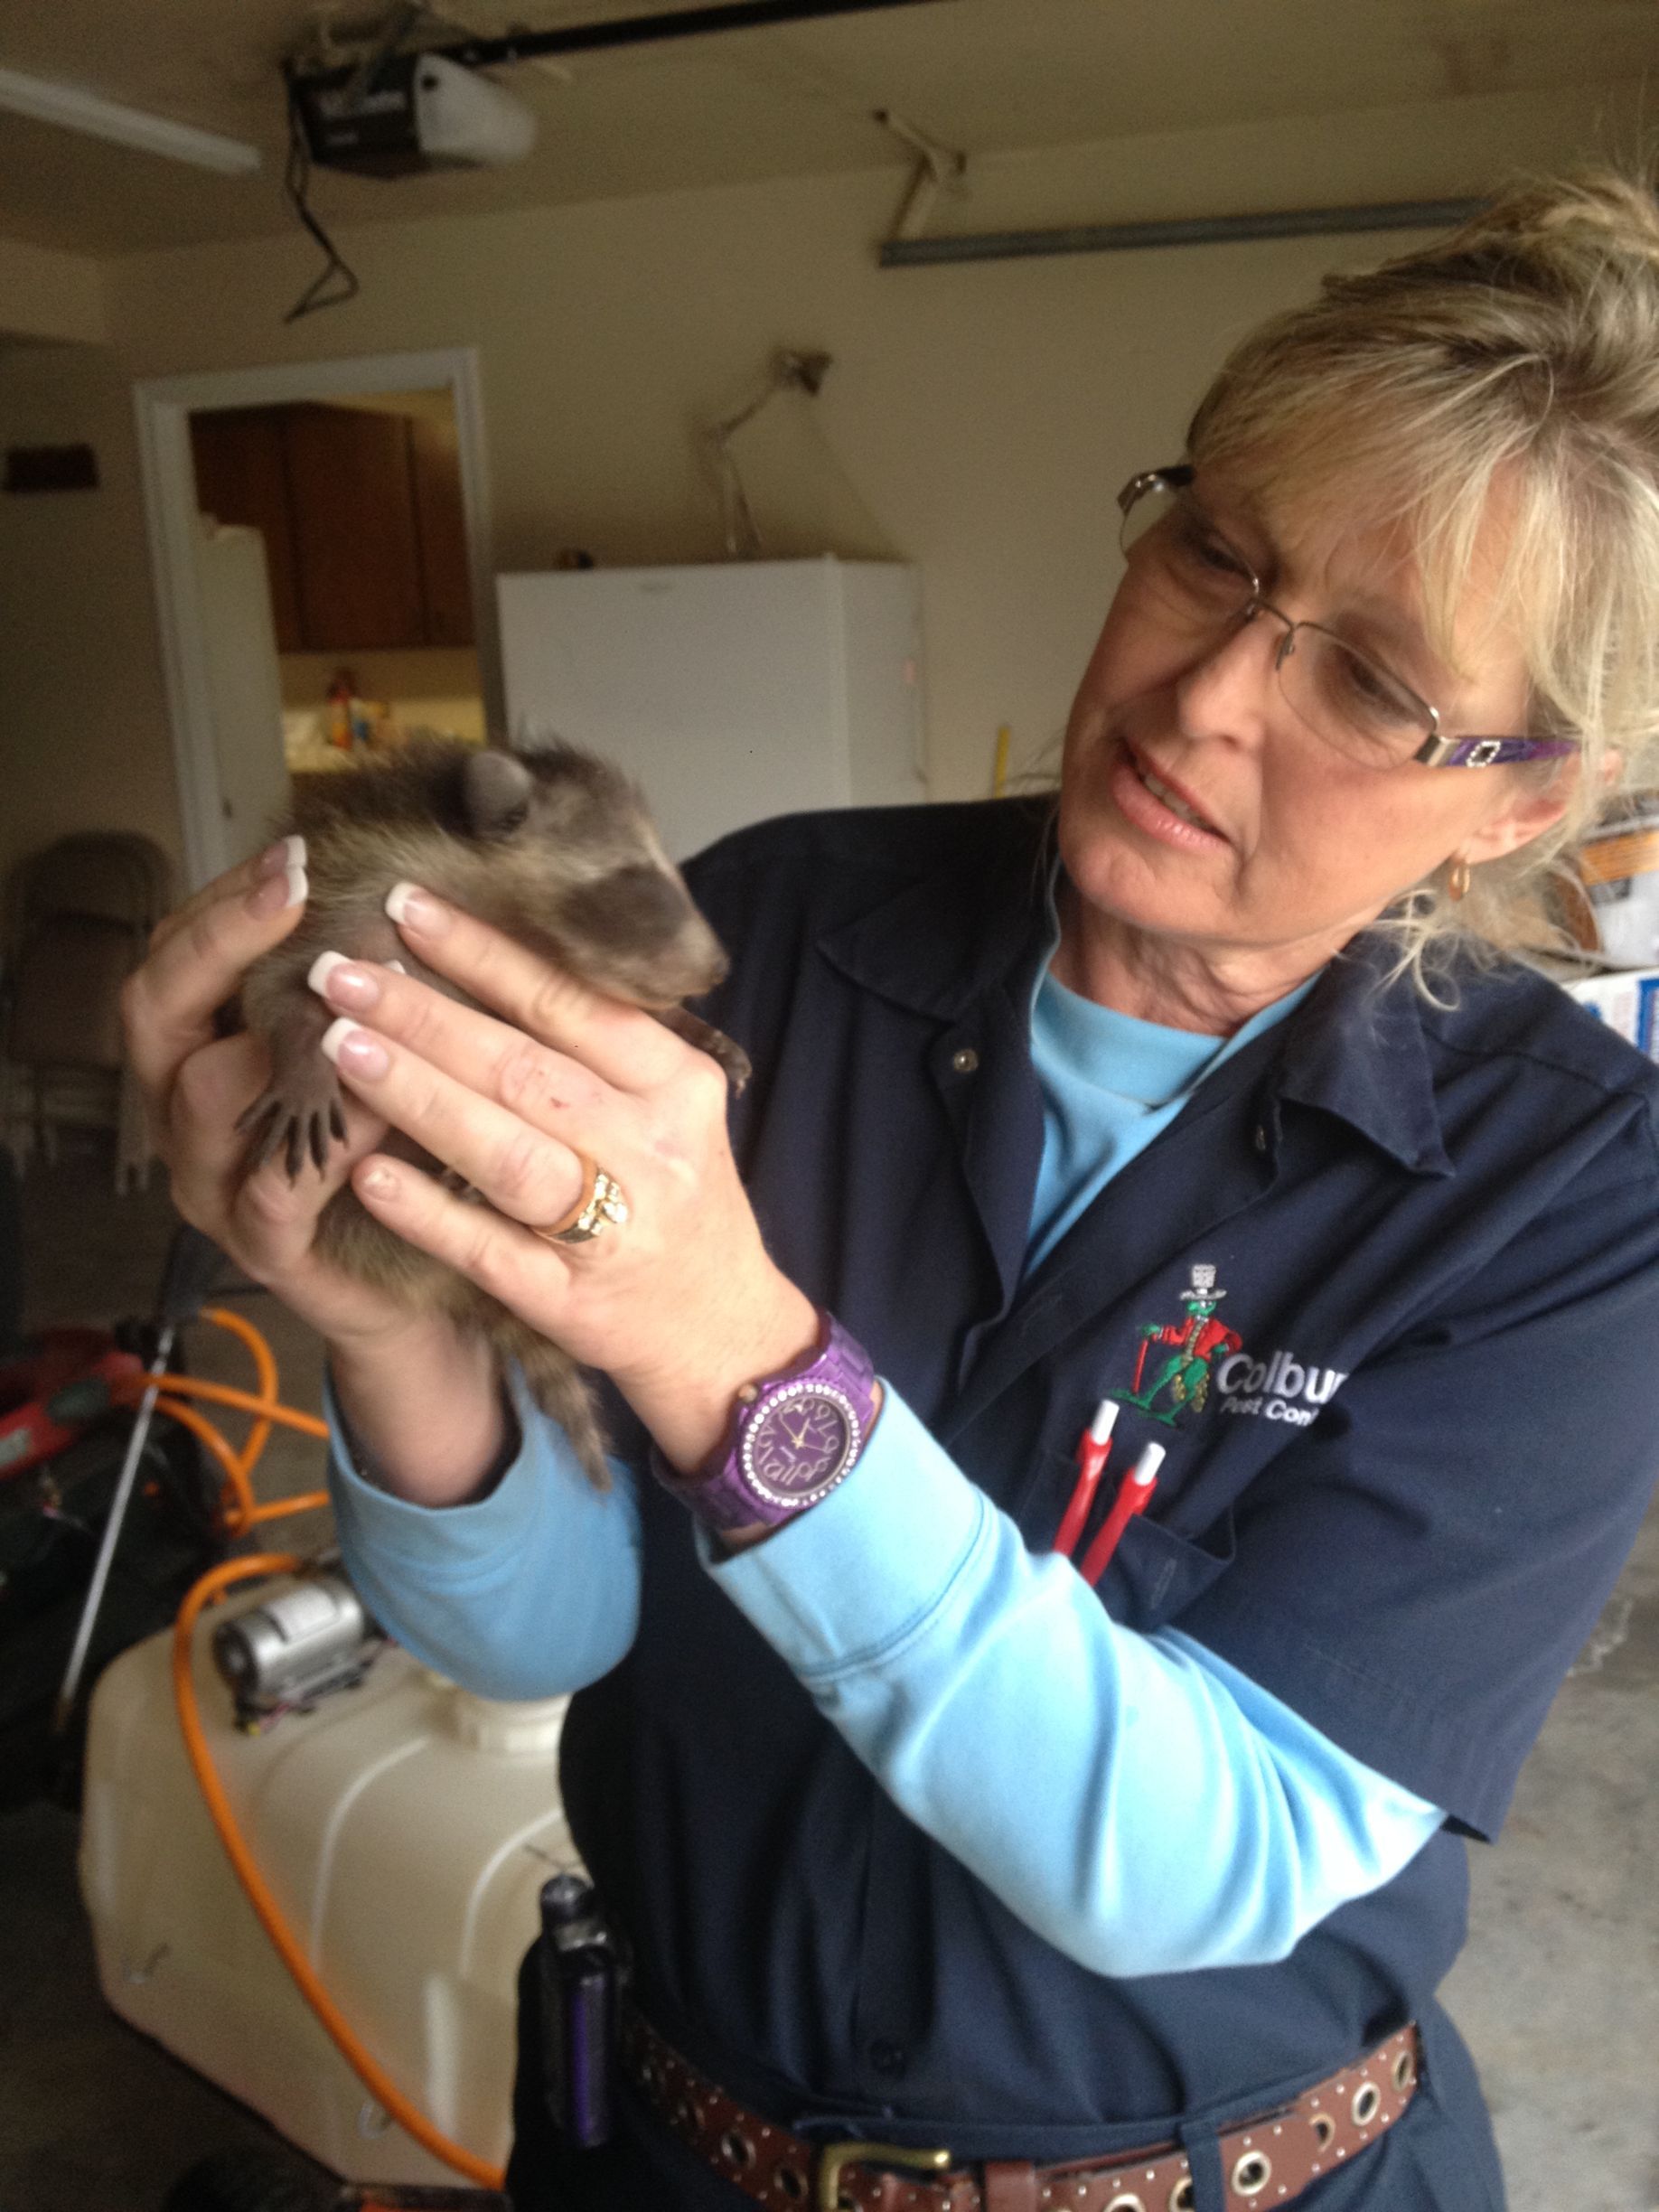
1266 2161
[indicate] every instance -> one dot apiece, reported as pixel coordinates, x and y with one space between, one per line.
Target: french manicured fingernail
286 853
291 887
332 977
412 908
354 1050
379 1182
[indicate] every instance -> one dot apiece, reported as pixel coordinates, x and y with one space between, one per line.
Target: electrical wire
335 271
788 371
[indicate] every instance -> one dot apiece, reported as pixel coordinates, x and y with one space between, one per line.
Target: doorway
319 538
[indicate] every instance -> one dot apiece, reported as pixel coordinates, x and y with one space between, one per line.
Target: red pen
1093 1450
1133 1492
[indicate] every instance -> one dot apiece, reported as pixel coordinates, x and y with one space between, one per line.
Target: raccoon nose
634 909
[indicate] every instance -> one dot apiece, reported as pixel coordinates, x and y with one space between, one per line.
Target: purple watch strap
793 1438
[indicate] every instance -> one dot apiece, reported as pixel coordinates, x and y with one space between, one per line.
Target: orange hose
220 1393
241 1514
377 2082
236 1480
239 1509
237 1325
276 1509
264 1369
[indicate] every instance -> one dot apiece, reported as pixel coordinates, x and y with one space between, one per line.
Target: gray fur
557 849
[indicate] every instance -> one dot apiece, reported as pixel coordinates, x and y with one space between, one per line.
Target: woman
951 1879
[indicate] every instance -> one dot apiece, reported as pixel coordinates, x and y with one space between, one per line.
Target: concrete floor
1558 1992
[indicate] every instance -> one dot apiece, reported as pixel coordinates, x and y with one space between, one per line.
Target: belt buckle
835 2157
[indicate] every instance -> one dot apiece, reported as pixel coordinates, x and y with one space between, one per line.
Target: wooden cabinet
355 552
360 511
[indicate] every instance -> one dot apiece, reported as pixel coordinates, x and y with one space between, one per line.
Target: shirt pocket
1155 1574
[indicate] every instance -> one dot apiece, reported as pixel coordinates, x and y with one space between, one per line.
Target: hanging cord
788 371
335 272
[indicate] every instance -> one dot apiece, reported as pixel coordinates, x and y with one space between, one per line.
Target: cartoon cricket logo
1204 1352
1184 1378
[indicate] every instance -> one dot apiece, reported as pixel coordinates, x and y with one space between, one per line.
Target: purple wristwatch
792 1437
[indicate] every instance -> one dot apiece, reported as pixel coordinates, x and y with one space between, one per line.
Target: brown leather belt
1266 2160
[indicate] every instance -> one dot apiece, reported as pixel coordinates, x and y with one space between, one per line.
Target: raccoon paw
706 1038
731 1057
297 1118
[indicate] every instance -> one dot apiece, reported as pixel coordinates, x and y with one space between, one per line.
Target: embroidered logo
1204 1353
1271 1387
1182 1379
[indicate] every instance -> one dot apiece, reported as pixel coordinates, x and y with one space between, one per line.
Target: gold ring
602 1205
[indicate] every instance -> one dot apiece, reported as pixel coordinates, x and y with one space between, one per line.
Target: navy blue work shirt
1414 1441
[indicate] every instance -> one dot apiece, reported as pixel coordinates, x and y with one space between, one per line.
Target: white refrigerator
244 683
732 691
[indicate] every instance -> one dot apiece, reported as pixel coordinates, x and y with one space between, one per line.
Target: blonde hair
1517 357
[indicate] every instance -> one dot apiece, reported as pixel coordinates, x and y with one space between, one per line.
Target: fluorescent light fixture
79 110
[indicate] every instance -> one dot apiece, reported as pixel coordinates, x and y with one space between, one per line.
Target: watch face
801 1443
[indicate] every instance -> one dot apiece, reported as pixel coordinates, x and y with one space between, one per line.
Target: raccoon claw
261 1123
295 1128
733 1059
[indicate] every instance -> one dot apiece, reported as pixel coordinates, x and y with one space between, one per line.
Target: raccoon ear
495 793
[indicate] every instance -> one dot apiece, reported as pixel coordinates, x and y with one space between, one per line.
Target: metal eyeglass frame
1435 750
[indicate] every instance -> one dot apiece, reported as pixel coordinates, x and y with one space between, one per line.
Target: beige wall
49 296
978 419
83 729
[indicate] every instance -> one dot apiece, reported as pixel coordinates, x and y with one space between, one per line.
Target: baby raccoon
556 850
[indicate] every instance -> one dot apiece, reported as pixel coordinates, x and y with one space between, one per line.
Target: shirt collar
1357 1049
981 923
965 929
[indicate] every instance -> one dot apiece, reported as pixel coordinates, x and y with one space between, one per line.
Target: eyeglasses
1196 578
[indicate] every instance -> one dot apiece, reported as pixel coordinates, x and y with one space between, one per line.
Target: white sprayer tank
405 1828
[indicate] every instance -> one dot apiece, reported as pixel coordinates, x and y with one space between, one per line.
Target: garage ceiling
986 76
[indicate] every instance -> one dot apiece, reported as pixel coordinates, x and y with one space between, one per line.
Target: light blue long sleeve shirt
1188 1818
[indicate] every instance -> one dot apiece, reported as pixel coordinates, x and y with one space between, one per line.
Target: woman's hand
680 1305
196 1083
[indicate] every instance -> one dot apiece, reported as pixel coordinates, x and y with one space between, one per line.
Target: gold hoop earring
1458 881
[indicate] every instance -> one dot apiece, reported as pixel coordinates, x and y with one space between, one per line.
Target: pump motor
296 1646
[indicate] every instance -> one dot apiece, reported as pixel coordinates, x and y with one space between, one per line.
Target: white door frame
164 406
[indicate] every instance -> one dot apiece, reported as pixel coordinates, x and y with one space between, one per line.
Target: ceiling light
79 110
